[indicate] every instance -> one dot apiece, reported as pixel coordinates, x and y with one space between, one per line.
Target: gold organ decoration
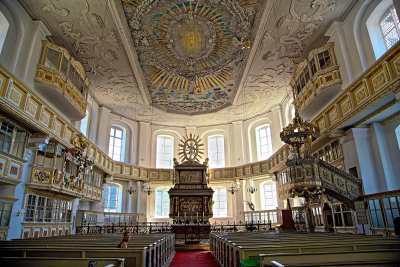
190 148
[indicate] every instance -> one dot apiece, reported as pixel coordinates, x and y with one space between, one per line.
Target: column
18 212
145 137
103 128
341 52
238 145
276 128
239 203
373 182
392 180
130 197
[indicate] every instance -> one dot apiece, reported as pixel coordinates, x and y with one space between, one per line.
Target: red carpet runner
194 258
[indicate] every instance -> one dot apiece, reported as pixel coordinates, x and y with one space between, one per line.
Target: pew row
153 250
231 248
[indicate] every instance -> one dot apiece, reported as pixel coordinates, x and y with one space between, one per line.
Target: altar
191 198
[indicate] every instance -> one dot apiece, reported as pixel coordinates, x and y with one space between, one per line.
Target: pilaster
145 137
103 128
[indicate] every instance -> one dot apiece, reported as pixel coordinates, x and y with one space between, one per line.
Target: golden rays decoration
190 148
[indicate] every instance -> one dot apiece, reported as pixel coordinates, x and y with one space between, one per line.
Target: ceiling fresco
229 60
191 52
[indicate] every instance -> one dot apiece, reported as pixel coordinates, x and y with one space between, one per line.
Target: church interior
232 133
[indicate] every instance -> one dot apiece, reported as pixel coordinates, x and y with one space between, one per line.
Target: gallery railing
149 228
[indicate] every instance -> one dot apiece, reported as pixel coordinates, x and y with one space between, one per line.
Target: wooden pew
389 257
56 262
229 249
153 250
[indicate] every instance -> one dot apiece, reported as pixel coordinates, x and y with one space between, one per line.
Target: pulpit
190 198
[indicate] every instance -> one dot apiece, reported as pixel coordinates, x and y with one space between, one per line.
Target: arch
374 26
112 197
117 142
4 25
268 195
251 135
11 50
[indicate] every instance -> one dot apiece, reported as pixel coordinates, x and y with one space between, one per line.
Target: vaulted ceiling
188 62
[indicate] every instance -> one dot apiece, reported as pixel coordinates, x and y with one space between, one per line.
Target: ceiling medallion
191 51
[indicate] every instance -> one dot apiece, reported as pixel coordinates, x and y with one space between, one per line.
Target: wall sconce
131 190
147 189
251 189
233 188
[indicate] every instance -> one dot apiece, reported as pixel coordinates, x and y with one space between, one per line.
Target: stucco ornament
191 51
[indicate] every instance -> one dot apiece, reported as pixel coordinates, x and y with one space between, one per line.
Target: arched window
112 198
165 152
84 127
220 205
4 25
390 27
269 200
116 147
216 151
398 135
263 142
162 203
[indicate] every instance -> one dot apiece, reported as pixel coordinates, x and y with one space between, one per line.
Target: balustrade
316 80
63 80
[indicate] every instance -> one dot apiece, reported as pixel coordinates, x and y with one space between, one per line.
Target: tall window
165 151
268 196
390 27
263 142
220 206
216 152
4 24
397 132
116 148
84 127
162 203
112 198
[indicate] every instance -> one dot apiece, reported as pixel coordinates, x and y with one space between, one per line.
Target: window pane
116 148
390 27
220 205
162 202
216 151
263 142
165 151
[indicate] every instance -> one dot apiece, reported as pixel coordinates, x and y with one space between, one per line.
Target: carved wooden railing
311 176
54 180
318 73
63 78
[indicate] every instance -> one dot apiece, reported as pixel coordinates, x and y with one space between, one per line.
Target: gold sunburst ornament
190 148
